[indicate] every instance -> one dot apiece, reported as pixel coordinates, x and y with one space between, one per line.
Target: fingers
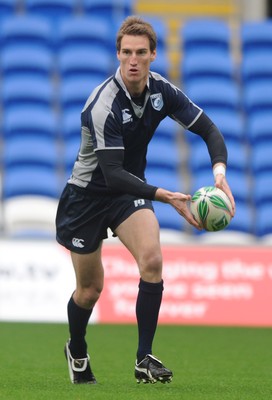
221 183
183 209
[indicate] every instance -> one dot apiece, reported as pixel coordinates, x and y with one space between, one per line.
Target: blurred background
54 52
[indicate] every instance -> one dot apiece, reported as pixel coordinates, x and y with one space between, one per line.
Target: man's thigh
140 233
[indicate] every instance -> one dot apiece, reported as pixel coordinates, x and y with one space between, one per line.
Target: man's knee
150 266
87 297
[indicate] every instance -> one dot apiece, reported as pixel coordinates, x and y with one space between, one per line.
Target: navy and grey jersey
111 120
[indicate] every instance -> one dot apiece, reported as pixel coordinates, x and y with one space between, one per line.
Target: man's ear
118 55
153 55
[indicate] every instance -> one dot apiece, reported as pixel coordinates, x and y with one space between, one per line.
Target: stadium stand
30 120
70 124
83 62
27 61
164 177
199 159
208 65
258 126
30 150
207 92
70 149
7 9
264 226
24 29
262 189
111 9
163 153
29 216
261 159
31 92
30 180
81 30
256 37
54 11
205 35
75 91
45 40
167 128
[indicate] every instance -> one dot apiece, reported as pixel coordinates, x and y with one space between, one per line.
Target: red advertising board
202 285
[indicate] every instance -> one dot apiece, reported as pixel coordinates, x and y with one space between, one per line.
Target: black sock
78 318
147 312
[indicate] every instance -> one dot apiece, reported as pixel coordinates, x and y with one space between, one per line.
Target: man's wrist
219 169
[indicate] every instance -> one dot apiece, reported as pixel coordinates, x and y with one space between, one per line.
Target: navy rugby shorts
82 220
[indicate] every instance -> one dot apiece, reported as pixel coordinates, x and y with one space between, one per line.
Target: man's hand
180 202
221 183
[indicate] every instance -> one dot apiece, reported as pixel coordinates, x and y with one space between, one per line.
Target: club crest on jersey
126 116
156 101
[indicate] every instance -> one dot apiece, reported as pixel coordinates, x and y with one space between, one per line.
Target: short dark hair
136 26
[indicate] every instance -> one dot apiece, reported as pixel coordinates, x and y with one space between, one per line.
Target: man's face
135 58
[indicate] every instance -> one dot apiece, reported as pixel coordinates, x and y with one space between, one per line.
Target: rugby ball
211 208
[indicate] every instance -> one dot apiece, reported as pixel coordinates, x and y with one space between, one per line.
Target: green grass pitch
209 363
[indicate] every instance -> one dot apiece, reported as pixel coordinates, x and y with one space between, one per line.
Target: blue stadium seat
52 10
259 126
256 36
256 67
70 150
257 96
262 188
204 34
164 178
199 159
244 219
30 150
70 124
161 64
111 9
25 30
83 62
261 157
30 120
81 30
240 184
168 129
209 65
168 217
263 220
163 153
238 156
7 9
75 92
216 93
21 92
27 61
230 122
27 180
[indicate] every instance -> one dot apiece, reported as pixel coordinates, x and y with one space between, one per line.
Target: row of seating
23 127
33 180
56 10
237 98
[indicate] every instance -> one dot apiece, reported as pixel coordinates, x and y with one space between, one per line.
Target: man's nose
133 59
